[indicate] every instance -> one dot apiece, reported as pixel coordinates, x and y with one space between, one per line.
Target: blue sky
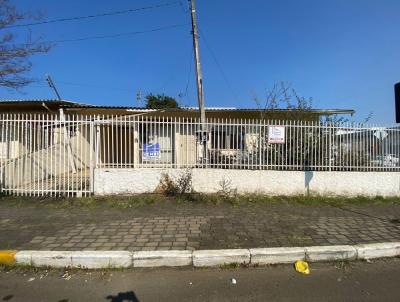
343 53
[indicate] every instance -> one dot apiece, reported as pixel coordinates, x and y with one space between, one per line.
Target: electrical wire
93 86
185 10
95 16
113 35
189 73
63 83
230 87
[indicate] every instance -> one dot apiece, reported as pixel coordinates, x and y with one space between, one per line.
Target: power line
184 10
95 16
189 73
230 87
113 35
95 86
185 94
62 83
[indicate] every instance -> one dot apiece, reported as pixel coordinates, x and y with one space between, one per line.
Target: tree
282 96
308 143
160 101
14 54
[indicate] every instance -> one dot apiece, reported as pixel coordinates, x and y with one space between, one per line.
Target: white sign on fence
276 134
381 134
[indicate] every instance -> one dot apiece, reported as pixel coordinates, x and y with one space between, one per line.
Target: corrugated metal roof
318 111
36 101
83 106
28 100
209 108
72 104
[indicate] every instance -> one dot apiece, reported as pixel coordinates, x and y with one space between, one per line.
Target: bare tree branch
282 96
14 56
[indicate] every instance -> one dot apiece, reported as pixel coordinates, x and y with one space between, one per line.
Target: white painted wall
128 181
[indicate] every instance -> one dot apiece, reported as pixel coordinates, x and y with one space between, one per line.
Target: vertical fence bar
18 187
69 129
81 143
3 147
7 168
42 155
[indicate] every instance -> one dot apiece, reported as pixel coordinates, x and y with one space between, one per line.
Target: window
218 139
226 139
235 141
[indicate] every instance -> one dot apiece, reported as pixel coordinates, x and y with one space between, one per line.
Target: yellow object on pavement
7 257
302 267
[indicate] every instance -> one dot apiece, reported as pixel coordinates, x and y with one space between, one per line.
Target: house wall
133 181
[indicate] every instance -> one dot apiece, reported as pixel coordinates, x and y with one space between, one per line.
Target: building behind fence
57 154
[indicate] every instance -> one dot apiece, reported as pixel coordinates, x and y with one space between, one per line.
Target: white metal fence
56 154
143 142
46 155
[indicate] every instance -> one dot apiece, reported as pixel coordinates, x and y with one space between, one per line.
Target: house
225 138
54 145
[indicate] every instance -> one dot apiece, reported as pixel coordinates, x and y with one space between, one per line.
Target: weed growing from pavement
227 266
19 268
29 269
344 265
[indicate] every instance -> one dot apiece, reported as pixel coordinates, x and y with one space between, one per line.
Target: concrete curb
378 250
277 255
162 258
331 253
208 258
201 258
76 259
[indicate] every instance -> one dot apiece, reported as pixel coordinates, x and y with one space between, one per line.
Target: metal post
199 80
52 86
67 141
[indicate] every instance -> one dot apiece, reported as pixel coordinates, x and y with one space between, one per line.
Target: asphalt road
361 281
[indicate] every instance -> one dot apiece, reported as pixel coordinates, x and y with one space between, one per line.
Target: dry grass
133 201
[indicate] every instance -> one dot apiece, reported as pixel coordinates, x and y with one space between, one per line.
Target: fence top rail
115 119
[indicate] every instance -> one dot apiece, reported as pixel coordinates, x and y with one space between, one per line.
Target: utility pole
52 86
203 136
139 98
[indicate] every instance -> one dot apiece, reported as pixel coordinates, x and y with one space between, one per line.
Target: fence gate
46 155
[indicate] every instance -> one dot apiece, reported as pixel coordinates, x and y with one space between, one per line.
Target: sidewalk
173 226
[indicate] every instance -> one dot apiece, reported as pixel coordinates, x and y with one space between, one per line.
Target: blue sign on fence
151 151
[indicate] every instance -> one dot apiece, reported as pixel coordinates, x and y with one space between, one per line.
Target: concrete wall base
136 181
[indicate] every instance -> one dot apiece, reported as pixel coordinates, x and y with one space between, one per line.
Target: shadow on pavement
124 297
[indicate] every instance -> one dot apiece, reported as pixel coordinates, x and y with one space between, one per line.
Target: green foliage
160 101
344 265
228 266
